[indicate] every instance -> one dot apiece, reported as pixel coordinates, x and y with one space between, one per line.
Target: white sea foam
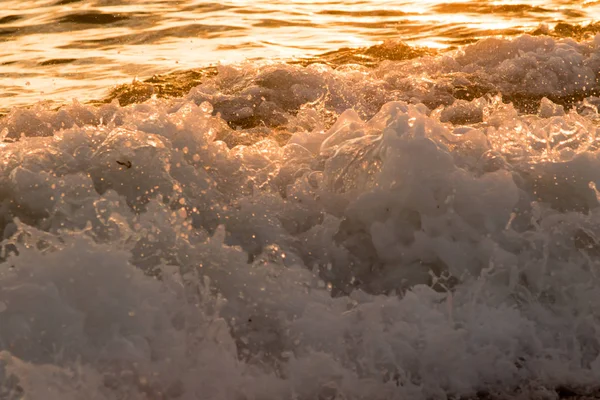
388 250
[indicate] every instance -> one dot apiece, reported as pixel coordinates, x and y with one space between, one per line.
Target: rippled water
58 50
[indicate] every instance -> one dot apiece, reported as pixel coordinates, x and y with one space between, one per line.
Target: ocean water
57 50
312 200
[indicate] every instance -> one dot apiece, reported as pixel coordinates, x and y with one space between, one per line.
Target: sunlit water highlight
58 50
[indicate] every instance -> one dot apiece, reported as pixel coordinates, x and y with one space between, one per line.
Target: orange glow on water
79 49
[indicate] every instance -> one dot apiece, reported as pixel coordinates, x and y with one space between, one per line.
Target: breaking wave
426 228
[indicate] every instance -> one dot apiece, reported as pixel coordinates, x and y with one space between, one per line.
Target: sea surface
57 50
351 200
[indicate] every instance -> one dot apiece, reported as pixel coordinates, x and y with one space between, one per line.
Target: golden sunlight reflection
57 50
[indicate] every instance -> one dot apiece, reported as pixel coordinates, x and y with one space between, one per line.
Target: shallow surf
423 224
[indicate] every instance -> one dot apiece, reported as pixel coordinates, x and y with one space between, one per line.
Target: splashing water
423 228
